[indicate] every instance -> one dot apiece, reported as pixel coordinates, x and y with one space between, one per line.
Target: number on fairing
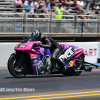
67 55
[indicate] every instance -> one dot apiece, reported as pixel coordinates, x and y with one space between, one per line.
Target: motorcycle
30 60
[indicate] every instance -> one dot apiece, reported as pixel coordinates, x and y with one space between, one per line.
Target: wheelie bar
89 66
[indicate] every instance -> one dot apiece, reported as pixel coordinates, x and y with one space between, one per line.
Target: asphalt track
50 87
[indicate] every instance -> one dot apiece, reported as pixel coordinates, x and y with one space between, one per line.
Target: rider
50 43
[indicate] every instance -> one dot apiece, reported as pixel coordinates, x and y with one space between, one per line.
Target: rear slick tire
73 72
13 62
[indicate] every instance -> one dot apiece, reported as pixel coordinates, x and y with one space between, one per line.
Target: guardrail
19 24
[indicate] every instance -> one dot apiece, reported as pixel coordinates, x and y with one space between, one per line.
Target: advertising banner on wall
91 50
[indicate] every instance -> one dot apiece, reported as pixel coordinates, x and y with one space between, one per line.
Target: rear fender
77 55
71 62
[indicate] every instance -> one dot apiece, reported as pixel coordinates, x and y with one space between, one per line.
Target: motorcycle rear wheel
79 67
16 70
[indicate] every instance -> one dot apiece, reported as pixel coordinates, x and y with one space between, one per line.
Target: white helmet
37 33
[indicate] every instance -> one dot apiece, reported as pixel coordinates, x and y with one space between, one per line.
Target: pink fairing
28 48
78 52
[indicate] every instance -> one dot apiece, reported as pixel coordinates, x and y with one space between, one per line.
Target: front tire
16 70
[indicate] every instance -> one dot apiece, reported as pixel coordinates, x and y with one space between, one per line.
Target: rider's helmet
37 34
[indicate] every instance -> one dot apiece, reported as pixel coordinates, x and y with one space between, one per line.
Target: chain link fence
11 23
18 23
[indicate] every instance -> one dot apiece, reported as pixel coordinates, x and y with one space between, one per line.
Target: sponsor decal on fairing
34 56
67 55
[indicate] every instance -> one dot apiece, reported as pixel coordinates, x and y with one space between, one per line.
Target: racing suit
54 47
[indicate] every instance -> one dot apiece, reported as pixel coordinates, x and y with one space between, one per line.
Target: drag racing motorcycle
30 60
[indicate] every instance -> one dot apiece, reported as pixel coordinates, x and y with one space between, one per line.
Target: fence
13 24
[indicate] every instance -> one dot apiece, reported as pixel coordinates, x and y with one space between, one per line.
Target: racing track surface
87 80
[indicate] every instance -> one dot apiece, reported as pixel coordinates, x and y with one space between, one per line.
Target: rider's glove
36 45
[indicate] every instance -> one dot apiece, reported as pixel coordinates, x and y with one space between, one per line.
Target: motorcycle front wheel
17 70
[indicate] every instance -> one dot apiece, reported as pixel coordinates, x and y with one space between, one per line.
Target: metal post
24 24
50 24
98 30
75 21
82 32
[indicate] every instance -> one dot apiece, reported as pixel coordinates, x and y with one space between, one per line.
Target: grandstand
15 28
6 6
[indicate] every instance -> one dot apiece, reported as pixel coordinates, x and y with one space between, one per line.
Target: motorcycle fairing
43 52
34 59
34 62
77 51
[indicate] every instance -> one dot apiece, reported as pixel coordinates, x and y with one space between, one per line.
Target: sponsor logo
35 64
76 49
33 56
35 61
67 55
71 63
90 52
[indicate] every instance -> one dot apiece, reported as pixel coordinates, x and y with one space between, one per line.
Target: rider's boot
62 64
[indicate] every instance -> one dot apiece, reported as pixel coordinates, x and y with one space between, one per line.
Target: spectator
41 7
52 3
93 5
18 4
56 1
98 6
53 7
80 3
43 2
68 3
74 4
86 25
47 6
34 4
39 1
28 7
60 11
79 25
25 3
42 10
87 5
63 3
97 11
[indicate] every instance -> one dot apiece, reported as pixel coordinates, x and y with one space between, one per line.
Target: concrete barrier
6 49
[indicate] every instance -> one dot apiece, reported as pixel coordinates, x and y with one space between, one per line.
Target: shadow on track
38 76
57 75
